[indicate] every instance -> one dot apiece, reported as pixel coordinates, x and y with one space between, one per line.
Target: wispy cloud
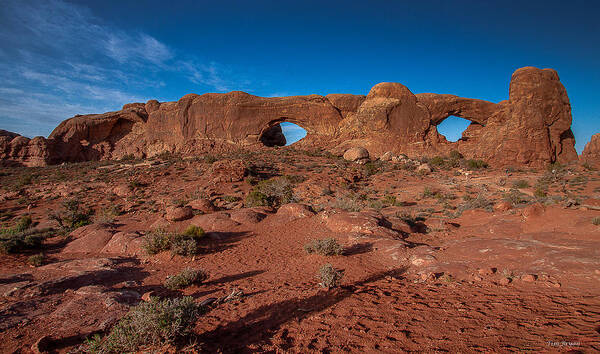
57 59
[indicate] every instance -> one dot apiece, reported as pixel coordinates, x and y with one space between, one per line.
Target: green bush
184 244
71 216
437 161
473 164
185 278
36 260
373 167
21 238
272 192
329 276
324 247
194 231
156 241
596 220
157 322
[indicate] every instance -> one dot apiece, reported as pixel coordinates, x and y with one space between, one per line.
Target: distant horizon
59 58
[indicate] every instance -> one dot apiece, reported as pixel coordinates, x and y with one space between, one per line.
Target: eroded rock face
591 152
532 127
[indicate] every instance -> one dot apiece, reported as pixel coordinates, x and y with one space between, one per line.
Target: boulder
89 239
175 213
203 205
356 153
125 243
370 223
220 221
247 216
293 211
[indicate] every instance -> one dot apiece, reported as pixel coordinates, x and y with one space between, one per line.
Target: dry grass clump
479 202
184 244
272 192
185 278
329 276
324 247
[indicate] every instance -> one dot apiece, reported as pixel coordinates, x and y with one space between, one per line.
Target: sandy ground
447 261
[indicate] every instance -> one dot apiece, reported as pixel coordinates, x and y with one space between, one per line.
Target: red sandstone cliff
532 127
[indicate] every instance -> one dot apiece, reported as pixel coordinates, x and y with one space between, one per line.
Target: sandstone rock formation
356 153
532 127
591 152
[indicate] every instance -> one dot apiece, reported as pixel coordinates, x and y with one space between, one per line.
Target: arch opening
282 133
453 127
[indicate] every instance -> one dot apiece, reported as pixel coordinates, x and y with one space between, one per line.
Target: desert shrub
520 184
515 197
185 278
20 242
156 241
473 164
22 224
183 245
108 215
329 276
430 193
392 201
21 237
596 220
349 202
479 202
455 155
194 231
540 192
437 161
231 198
36 260
271 192
71 216
157 322
324 247
373 167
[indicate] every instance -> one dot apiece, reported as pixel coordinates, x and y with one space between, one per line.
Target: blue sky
61 58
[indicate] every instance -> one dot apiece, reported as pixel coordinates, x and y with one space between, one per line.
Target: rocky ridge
531 128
